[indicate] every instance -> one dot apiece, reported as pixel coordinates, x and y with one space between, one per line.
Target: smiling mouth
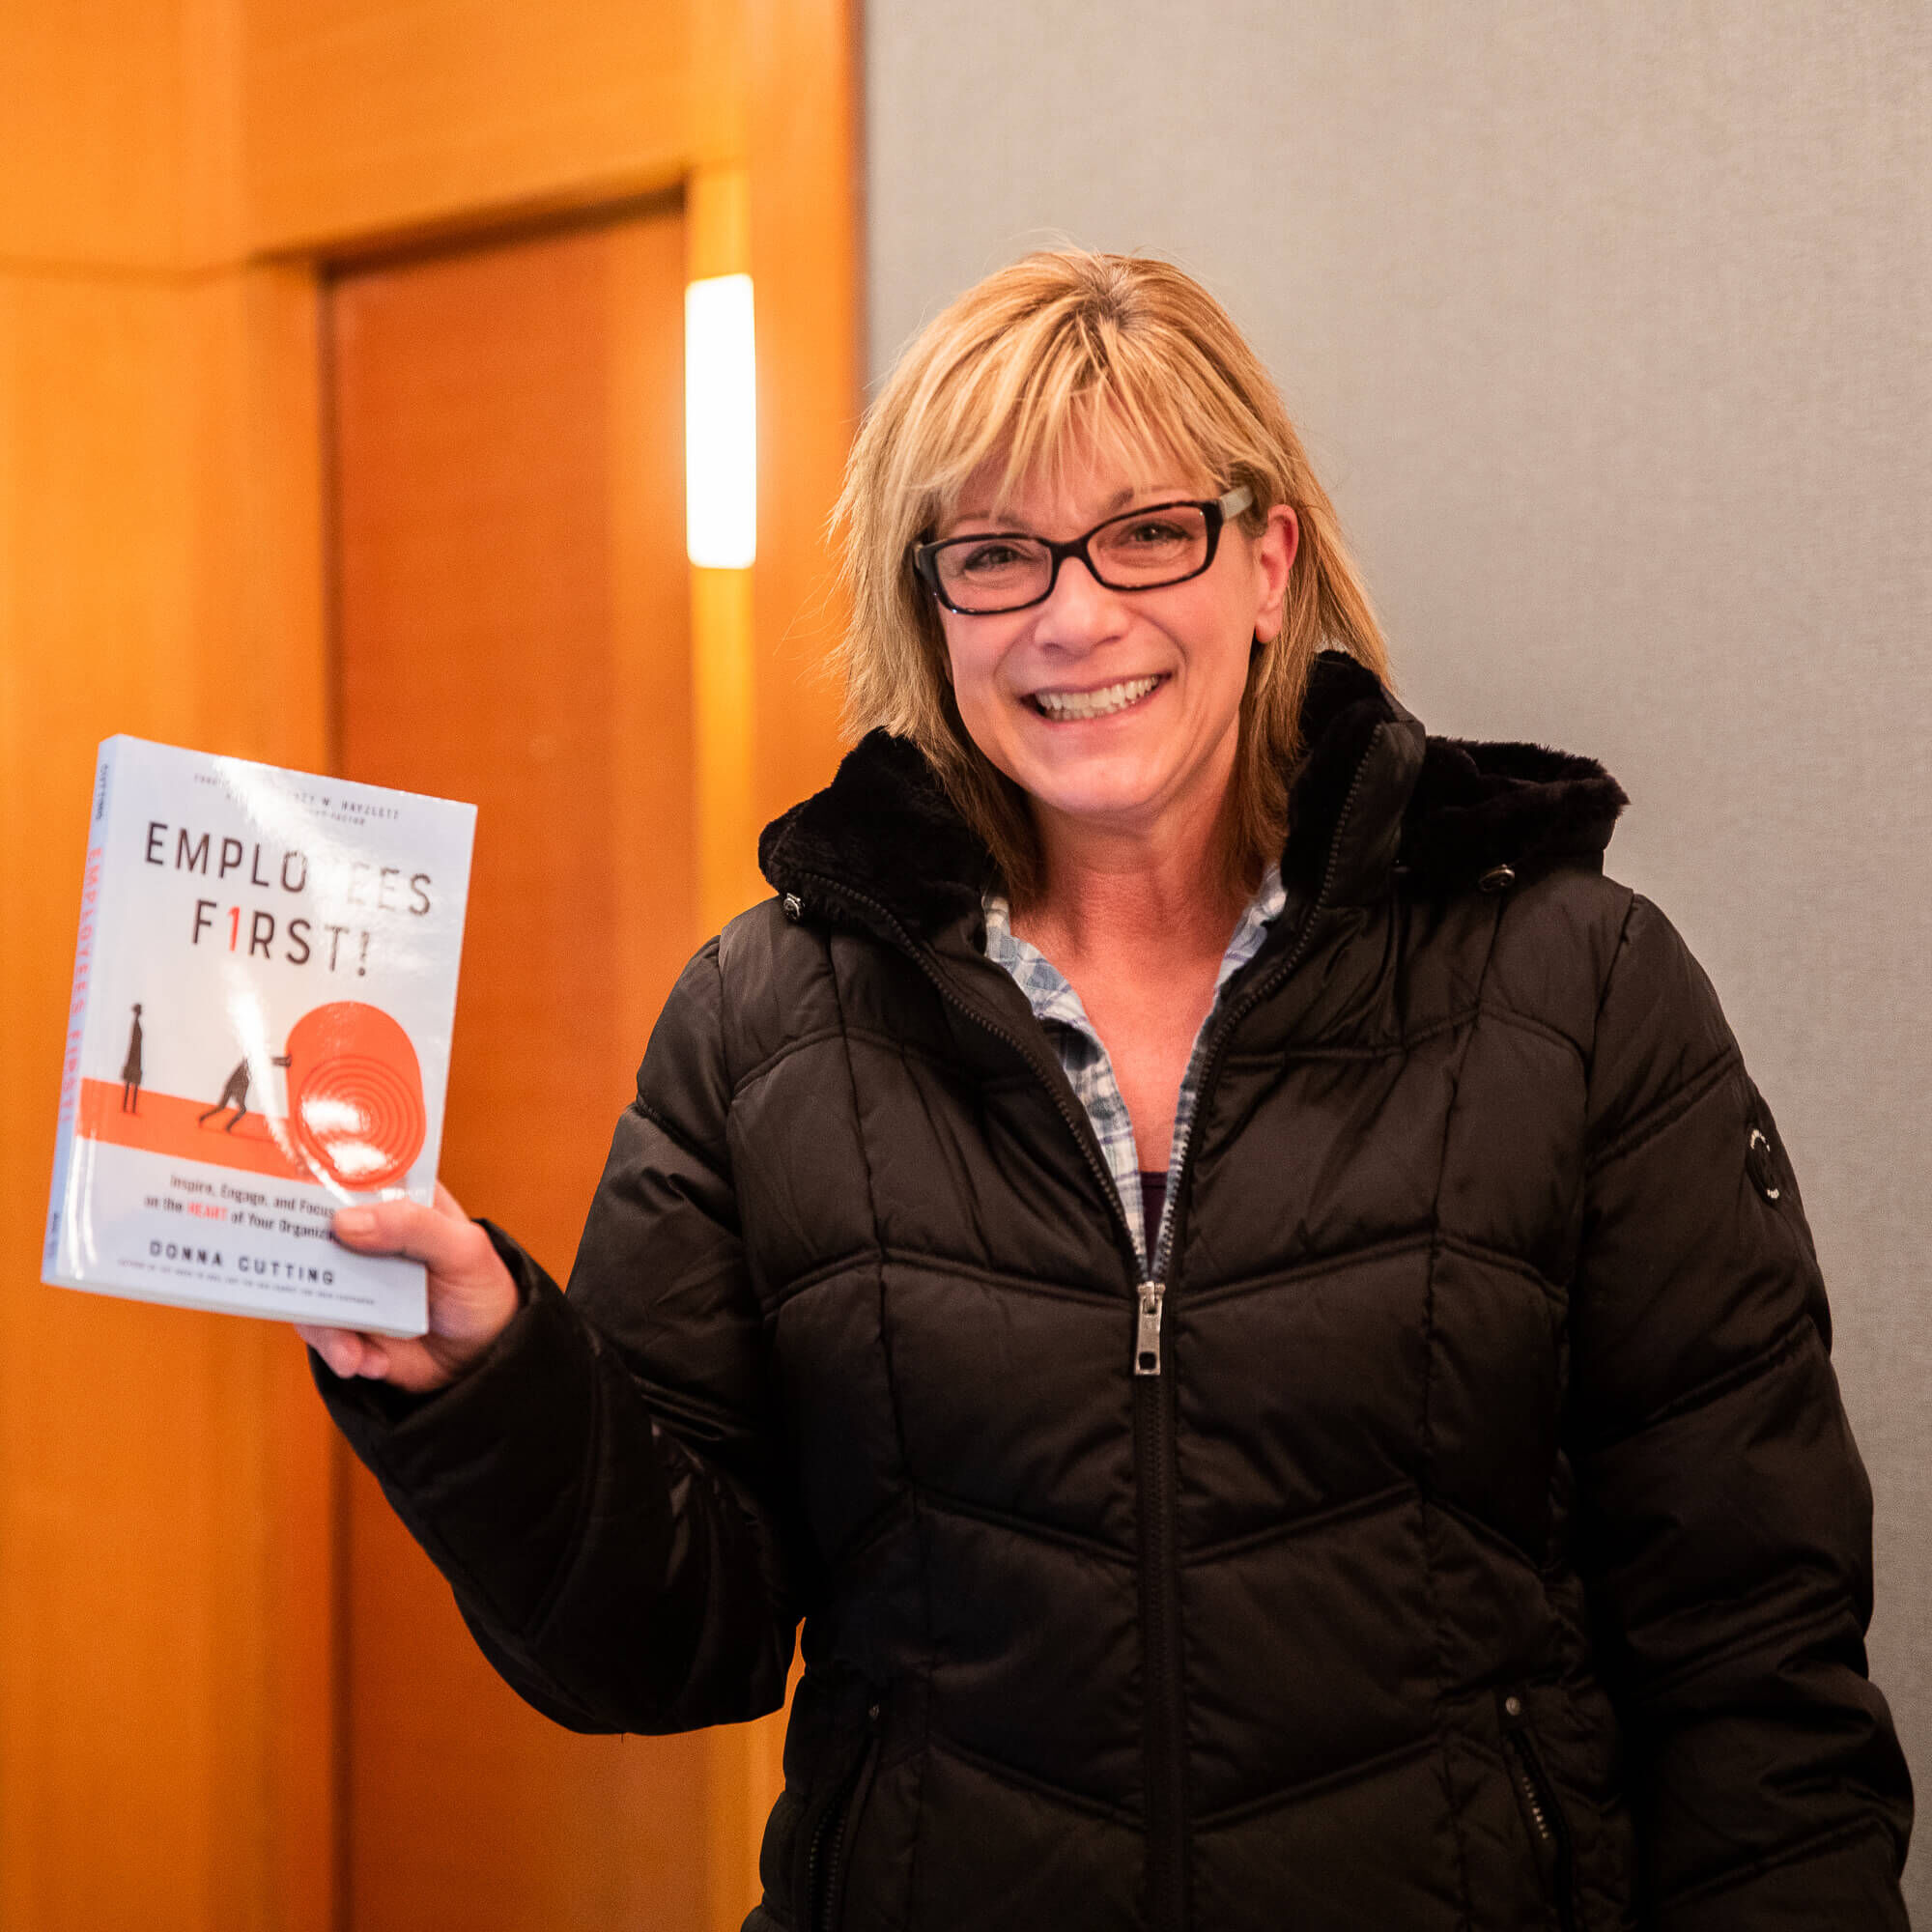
1101 703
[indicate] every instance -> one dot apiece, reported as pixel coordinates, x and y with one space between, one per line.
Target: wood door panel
512 622
375 115
164 1474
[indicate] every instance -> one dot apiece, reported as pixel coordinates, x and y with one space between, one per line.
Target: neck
1165 890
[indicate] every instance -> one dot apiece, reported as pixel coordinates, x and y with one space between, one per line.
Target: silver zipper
1147 1333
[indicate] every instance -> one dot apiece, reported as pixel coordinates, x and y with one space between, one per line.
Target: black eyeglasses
1147 549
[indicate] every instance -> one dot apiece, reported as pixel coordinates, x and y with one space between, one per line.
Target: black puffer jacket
1489 1549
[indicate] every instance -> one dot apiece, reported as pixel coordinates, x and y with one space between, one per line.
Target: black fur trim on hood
1475 805
1478 806
885 832
1342 710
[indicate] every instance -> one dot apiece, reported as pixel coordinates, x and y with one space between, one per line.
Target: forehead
1079 485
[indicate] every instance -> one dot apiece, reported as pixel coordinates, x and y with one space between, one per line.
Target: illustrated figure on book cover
131 1068
235 1092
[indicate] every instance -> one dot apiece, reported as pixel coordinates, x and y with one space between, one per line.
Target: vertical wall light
721 443
720 424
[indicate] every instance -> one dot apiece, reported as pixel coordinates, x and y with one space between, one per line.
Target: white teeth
1093 703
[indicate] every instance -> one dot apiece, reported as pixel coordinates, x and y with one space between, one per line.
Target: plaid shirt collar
1057 1008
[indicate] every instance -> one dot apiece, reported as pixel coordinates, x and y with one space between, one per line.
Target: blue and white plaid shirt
1057 1008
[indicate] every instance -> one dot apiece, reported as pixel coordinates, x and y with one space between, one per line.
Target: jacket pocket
1542 1809
832 1822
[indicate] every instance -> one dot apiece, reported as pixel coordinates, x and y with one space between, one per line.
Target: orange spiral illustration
355 1099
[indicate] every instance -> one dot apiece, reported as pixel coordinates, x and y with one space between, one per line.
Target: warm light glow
720 424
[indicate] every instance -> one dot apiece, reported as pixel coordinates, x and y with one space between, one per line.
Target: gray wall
1610 329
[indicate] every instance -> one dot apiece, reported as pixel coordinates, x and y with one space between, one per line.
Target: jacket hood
1372 795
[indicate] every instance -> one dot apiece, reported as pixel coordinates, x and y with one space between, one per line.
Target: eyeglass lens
1138 552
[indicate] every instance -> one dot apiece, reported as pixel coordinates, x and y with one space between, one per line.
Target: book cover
264 988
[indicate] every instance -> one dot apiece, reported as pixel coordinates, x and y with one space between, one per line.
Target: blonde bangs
1053 391
1061 357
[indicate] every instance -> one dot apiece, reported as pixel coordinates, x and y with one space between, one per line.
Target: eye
1157 540
996 559
1152 533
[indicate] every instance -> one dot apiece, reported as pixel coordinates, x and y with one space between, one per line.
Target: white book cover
264 988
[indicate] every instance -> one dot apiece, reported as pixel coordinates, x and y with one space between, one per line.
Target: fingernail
355 1222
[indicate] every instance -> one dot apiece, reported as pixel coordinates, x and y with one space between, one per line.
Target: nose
1080 610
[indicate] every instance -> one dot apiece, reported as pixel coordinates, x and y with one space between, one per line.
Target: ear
1274 558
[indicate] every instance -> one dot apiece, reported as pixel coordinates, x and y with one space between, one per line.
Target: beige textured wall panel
1611 330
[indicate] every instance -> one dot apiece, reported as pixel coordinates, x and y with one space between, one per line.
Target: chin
1100 794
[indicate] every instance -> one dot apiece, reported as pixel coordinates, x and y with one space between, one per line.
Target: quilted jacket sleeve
1725 1518
600 1489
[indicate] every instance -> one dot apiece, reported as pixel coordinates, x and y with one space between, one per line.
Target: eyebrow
1120 501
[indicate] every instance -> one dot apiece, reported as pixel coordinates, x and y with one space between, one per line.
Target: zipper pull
1538 1799
1147 1333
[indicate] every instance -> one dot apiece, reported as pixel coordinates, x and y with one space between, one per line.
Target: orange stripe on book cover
168 1123
357 1108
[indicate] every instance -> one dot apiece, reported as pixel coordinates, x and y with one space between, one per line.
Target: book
264 989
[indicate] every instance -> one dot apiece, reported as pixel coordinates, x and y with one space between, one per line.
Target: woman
1236 1282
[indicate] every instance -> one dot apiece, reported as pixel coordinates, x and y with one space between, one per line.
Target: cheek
974 668
1222 659
974 663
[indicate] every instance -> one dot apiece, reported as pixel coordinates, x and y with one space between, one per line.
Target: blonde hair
1070 349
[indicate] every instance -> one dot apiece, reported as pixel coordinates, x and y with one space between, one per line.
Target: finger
445 1203
340 1347
409 1229
351 1352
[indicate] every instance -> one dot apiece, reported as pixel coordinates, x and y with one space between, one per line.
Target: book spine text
76 1013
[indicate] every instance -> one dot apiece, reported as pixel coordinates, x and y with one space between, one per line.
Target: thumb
445 1244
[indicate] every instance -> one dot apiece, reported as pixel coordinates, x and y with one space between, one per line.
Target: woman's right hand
472 1297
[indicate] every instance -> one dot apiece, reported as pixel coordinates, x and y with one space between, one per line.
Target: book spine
59 1230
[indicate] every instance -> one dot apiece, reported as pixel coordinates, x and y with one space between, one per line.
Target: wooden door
512 628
